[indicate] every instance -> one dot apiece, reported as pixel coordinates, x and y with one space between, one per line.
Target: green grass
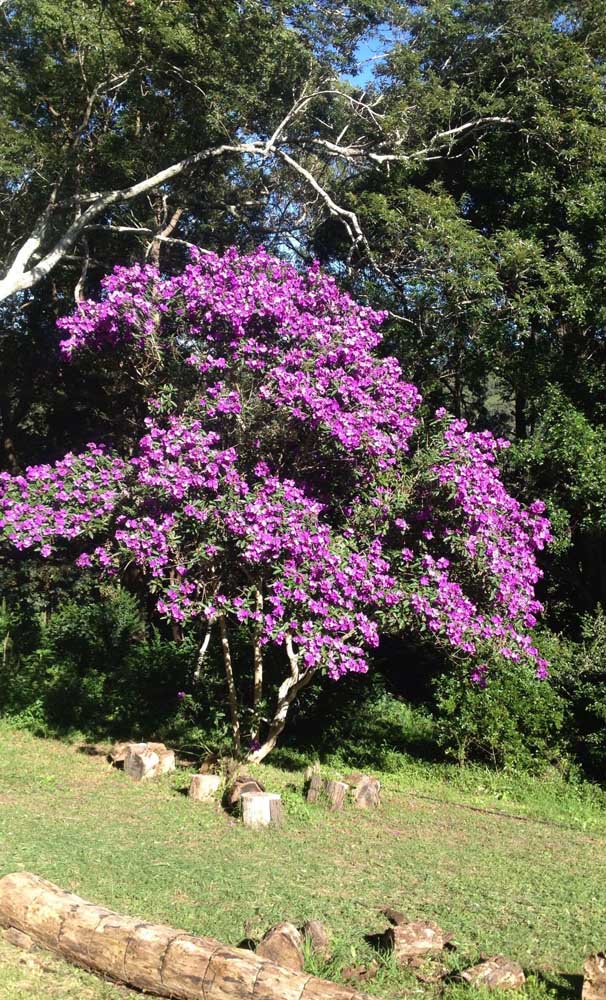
525 877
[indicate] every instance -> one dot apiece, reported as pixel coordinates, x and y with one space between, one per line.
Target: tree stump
261 809
150 957
497 973
317 935
143 760
366 793
283 945
167 757
117 753
336 792
316 787
141 763
241 785
204 787
414 939
594 977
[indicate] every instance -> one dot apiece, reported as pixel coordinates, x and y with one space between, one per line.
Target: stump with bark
261 809
316 787
414 939
335 793
315 932
151 957
283 945
204 787
496 973
244 783
143 760
366 793
594 977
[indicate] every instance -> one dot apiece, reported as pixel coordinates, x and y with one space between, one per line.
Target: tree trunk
287 692
520 414
150 957
258 671
231 688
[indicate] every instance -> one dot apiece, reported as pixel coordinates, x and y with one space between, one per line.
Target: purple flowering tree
279 485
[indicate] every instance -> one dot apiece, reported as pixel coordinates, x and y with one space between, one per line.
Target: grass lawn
510 865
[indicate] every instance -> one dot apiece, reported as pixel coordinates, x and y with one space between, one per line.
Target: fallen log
152 957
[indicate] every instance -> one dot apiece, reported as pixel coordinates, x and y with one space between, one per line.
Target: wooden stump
167 758
283 945
336 792
316 787
594 977
317 935
204 787
243 784
366 793
496 973
261 809
143 760
141 763
414 939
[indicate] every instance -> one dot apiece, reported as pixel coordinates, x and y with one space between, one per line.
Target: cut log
594 977
315 932
497 973
261 809
167 758
316 787
366 793
283 945
204 787
419 937
137 762
155 958
117 753
141 763
335 793
243 784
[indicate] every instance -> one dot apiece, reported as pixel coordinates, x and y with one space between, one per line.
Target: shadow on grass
91 750
560 985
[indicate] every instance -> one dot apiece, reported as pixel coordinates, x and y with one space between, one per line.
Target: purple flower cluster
489 536
272 490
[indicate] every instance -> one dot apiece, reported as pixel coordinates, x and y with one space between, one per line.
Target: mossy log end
150 957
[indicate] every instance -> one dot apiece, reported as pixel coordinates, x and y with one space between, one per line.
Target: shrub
512 721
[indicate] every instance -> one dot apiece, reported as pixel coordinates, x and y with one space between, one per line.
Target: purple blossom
288 464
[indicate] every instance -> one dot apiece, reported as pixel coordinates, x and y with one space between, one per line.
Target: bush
582 682
515 721
360 724
92 666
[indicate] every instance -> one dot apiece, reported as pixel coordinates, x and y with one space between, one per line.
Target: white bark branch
32 262
18 278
